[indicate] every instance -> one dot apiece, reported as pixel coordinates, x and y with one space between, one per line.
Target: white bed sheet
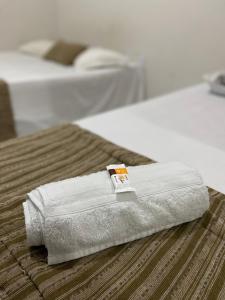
186 126
45 93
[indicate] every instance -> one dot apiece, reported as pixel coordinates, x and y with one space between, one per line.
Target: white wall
24 20
180 39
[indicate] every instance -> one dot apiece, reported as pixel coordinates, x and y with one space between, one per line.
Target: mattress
187 126
186 262
45 93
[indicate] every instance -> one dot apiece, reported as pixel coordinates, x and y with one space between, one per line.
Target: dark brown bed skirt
185 262
7 127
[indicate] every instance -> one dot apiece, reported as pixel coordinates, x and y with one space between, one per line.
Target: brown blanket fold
7 128
186 262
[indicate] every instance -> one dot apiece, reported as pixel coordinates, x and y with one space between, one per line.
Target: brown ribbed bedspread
7 129
186 262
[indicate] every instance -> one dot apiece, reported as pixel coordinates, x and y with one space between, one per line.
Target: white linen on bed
188 126
45 93
82 215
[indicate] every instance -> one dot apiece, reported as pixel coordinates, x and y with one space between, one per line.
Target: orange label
121 171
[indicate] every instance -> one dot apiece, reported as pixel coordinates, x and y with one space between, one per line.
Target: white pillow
37 48
95 58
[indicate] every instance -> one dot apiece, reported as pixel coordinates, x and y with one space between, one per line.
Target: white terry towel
83 215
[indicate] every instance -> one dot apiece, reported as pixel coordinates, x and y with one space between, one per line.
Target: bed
187 125
44 93
185 262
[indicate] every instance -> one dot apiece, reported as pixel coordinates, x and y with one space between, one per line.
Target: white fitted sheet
187 126
45 93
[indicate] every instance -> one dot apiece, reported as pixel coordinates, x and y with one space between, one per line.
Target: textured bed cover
188 126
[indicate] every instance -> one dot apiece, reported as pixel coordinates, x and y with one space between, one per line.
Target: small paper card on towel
120 179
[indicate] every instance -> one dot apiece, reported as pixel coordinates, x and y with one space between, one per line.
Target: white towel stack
83 215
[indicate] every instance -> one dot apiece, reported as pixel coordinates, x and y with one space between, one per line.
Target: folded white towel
83 215
216 82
